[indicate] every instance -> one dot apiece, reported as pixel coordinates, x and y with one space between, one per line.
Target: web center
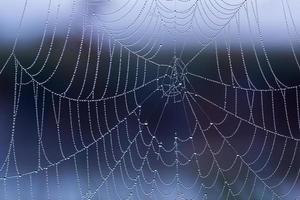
174 82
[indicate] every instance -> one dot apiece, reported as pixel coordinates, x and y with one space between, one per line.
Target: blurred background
151 99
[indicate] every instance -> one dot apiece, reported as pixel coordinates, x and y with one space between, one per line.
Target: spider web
153 99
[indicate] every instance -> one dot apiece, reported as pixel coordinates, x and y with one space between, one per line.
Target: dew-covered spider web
150 99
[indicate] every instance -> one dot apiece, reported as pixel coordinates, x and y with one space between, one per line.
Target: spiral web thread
107 142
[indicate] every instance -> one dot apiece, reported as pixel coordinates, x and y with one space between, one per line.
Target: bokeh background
163 71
